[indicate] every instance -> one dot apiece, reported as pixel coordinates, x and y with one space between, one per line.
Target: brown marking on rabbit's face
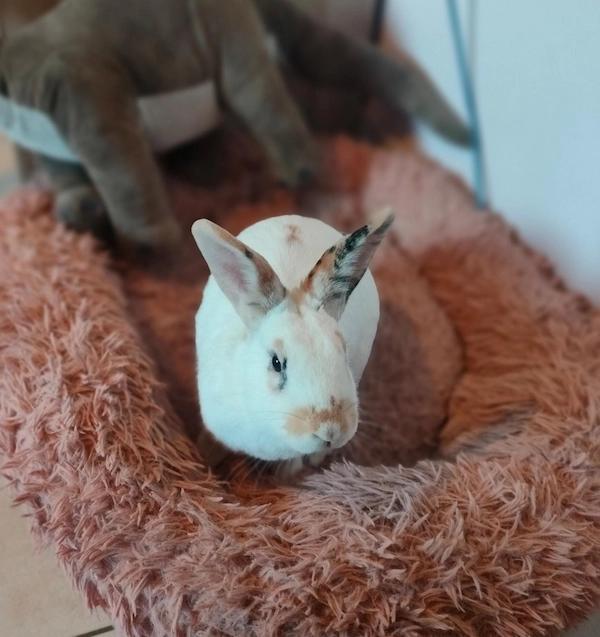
308 420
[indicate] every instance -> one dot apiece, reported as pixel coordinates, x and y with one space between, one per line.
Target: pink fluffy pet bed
468 504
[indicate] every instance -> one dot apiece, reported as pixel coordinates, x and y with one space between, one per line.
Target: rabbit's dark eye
276 363
279 367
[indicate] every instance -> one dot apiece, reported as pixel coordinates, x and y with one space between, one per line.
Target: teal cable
376 26
471 105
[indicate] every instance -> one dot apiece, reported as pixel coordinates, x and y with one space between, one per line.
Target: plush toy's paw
299 167
81 209
297 177
164 235
149 244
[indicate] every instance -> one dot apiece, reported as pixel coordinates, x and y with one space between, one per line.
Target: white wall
537 74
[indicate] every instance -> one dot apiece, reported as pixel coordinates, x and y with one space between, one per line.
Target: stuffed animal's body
85 65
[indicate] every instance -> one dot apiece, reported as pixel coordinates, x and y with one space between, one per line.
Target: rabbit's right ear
243 275
339 270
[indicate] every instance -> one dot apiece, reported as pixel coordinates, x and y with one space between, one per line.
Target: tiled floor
36 598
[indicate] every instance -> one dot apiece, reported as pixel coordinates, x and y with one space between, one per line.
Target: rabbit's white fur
242 399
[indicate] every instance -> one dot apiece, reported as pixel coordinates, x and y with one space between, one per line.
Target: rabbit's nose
329 433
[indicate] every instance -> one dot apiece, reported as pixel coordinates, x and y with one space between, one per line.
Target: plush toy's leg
328 56
77 203
252 88
94 106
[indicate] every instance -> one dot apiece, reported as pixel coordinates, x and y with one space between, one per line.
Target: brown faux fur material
501 538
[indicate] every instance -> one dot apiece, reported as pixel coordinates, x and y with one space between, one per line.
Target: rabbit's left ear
244 276
340 269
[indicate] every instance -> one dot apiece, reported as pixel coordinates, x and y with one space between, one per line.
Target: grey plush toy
96 87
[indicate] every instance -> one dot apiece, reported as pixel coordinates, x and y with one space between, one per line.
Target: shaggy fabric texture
97 414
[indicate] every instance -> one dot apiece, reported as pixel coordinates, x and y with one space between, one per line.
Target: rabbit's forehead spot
309 419
293 233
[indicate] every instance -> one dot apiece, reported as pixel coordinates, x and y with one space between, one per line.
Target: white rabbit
283 334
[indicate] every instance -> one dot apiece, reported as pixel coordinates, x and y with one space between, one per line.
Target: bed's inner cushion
416 356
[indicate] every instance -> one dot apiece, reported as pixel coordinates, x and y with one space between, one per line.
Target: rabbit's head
299 395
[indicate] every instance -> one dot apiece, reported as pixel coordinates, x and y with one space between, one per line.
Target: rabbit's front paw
289 468
316 459
296 467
